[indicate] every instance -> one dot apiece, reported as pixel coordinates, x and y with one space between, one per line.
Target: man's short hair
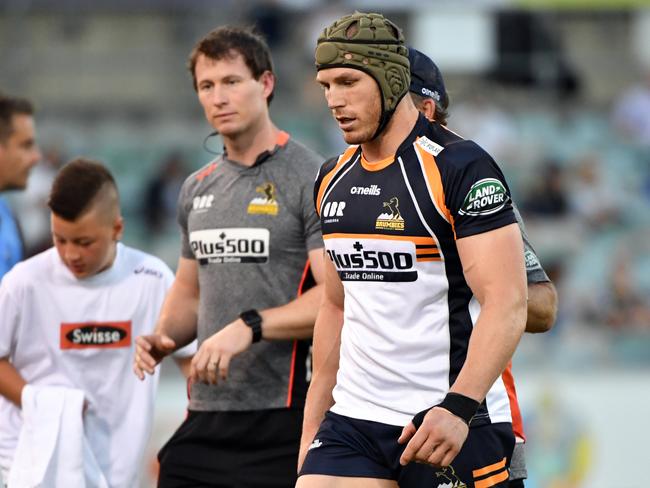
76 187
10 106
228 41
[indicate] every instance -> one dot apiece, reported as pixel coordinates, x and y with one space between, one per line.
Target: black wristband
455 403
253 319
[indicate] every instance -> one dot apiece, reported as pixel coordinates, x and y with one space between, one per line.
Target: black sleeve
476 192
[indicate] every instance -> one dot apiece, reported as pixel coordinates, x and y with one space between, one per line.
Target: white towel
52 450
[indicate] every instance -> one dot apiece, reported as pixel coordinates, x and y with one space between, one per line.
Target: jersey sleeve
476 192
182 213
322 172
10 313
534 271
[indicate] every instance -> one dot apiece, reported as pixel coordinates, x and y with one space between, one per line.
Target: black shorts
233 449
350 447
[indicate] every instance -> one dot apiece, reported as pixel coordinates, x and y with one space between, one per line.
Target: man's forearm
494 339
11 383
542 307
295 320
178 317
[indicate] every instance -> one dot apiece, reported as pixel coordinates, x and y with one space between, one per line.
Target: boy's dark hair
10 106
228 41
76 186
441 113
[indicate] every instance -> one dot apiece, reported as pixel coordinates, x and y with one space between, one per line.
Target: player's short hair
441 112
228 41
76 187
10 106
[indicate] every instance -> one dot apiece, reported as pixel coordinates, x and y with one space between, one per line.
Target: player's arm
325 357
294 320
542 307
11 382
493 265
176 326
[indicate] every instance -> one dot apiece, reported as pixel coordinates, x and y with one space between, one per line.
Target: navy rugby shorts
360 448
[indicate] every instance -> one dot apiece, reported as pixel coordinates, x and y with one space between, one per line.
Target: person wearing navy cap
429 95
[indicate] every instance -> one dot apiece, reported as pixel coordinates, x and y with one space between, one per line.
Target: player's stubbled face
233 101
87 245
354 99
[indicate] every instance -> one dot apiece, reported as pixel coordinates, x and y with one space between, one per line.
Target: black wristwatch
253 319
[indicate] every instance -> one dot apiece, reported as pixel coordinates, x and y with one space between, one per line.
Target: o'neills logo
87 335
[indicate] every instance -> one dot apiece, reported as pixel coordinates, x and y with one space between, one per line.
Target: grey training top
250 229
534 271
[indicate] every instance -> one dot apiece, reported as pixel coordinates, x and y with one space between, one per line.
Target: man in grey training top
251 244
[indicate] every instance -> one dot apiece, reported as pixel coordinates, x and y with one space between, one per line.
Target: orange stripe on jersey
344 158
377 166
206 172
434 179
414 239
292 373
509 382
492 480
283 138
489 469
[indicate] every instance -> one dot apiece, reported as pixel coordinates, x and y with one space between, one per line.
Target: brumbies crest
266 204
390 218
485 197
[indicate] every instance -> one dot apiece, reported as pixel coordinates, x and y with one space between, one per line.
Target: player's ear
430 108
118 228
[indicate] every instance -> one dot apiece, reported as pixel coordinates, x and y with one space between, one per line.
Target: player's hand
437 441
308 435
212 360
149 351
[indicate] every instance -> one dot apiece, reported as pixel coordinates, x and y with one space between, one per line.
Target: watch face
251 316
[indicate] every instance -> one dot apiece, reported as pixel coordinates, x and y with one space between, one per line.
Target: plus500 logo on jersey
231 245
95 335
373 259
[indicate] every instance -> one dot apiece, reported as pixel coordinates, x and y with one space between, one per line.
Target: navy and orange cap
426 78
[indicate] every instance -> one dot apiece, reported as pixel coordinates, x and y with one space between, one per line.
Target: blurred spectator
592 197
548 197
624 307
632 112
161 193
488 125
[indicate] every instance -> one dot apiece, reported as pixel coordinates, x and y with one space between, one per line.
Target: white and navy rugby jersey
390 229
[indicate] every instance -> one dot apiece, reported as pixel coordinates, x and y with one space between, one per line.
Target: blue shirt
11 244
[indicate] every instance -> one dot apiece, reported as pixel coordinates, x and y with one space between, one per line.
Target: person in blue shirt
18 155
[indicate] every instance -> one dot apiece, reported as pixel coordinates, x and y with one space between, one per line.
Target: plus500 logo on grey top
231 245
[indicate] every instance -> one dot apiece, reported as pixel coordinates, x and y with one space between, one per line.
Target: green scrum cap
373 44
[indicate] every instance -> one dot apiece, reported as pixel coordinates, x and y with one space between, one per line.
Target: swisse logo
365 190
485 197
88 335
202 202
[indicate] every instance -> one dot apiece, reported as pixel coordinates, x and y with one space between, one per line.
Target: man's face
87 245
18 154
233 101
354 99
